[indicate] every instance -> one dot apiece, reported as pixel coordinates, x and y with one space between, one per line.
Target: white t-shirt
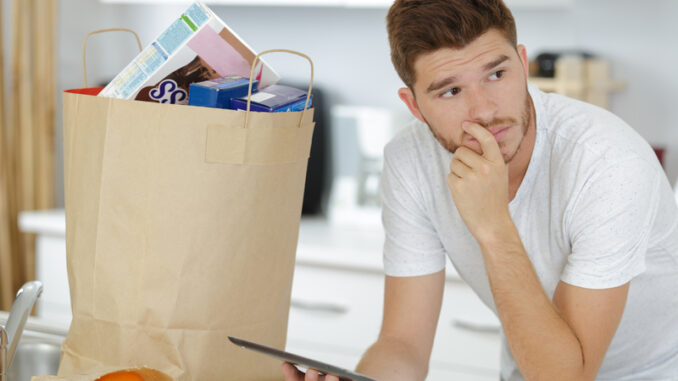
595 210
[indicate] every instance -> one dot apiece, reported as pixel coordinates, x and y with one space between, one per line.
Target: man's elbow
392 359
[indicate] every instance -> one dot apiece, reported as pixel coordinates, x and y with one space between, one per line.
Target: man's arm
411 311
563 339
402 351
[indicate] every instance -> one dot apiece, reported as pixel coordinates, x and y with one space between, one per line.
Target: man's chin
473 146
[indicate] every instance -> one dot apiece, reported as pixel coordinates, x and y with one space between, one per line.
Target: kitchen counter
351 239
337 295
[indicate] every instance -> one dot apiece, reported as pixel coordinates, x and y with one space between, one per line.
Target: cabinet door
335 309
337 313
468 333
55 302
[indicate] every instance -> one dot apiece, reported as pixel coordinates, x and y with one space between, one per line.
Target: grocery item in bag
217 93
274 98
198 46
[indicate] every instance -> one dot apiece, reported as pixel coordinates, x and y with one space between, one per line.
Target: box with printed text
274 98
198 46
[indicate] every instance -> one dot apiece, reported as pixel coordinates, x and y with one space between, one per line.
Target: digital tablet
344 374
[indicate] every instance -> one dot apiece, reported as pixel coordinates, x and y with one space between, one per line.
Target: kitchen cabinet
336 315
337 296
337 302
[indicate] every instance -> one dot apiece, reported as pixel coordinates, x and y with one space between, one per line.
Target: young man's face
484 82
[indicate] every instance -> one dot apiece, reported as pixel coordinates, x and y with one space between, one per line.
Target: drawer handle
475 327
319 306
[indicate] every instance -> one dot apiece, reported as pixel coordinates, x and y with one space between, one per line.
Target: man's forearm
390 359
542 343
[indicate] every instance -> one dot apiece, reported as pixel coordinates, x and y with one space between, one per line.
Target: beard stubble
523 122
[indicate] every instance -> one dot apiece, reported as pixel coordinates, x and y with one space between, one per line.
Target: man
554 211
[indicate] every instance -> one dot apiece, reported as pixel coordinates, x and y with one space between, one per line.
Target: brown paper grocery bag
181 229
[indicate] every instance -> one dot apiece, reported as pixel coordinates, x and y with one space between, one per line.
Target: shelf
553 85
588 80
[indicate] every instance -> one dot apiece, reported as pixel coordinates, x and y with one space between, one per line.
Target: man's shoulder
573 118
576 129
416 160
407 135
410 142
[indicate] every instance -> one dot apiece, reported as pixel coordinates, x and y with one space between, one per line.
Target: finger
469 157
454 184
331 377
487 141
459 168
312 375
291 372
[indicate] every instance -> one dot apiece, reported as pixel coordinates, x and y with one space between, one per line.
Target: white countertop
350 239
48 222
320 242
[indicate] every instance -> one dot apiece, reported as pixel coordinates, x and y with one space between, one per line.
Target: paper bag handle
84 47
254 64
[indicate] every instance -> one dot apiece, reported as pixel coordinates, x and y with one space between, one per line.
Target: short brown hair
416 27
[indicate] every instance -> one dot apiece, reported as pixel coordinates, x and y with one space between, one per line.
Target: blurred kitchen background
620 54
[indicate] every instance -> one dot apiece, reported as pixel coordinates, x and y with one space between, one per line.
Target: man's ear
522 53
407 96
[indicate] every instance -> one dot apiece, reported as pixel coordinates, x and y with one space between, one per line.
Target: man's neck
521 160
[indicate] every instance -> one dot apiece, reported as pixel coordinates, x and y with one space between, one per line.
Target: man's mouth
499 133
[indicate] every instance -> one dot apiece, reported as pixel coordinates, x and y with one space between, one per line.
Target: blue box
275 98
217 93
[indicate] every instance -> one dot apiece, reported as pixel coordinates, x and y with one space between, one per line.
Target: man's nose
481 107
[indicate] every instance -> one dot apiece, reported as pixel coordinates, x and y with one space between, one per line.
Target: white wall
639 38
351 54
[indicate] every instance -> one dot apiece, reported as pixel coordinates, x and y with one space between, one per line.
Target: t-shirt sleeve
412 246
609 225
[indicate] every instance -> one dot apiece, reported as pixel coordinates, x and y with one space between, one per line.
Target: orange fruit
121 376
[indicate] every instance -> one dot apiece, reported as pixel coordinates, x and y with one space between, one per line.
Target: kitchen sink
39 349
34 357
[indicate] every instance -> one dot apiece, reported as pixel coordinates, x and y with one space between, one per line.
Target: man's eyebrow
496 62
440 84
437 85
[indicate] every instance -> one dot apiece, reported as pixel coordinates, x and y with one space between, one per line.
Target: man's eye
496 75
451 92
